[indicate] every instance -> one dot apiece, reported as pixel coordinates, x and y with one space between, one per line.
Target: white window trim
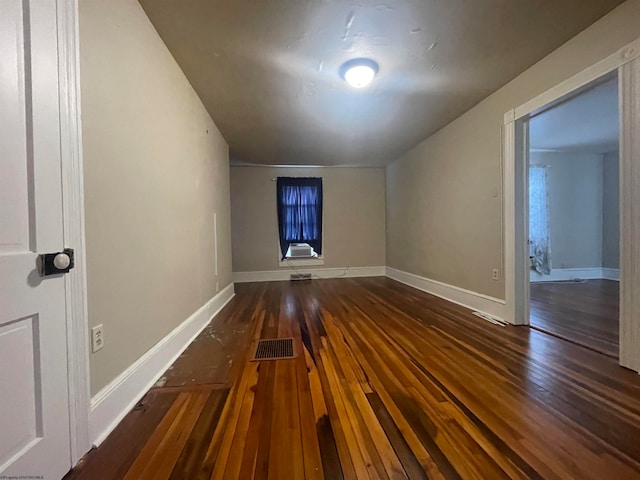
299 261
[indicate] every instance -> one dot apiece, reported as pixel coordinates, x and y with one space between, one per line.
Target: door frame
77 325
515 188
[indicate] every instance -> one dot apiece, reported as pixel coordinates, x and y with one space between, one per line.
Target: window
539 238
299 213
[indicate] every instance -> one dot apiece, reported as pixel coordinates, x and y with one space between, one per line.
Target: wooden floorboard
388 383
586 313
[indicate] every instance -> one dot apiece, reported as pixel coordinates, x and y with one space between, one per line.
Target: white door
34 403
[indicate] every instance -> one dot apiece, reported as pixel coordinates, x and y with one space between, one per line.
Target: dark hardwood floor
389 382
584 313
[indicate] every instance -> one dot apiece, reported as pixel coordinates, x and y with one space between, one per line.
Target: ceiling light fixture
359 72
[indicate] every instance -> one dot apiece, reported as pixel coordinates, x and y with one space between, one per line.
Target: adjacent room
290 240
574 226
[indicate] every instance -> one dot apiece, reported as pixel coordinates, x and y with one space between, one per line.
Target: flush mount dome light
359 72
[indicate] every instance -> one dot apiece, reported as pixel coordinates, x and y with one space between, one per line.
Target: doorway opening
574 227
625 65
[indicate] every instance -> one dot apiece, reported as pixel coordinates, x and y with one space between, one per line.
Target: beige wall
353 216
156 170
444 204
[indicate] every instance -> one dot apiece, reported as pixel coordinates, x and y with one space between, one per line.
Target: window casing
299 202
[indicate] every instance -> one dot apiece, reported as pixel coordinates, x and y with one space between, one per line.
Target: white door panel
14 206
21 413
34 404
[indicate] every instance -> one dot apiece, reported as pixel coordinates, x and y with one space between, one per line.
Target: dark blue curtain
300 212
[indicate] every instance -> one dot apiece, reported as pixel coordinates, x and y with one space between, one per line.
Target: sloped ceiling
588 122
268 71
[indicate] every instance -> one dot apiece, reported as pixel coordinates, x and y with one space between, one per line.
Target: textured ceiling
267 71
585 123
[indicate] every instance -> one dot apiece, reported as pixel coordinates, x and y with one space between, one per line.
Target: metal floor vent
299 276
274 349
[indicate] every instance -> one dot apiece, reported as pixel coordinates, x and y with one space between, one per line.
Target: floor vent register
274 349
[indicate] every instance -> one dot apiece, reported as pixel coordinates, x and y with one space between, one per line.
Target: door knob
61 261
55 263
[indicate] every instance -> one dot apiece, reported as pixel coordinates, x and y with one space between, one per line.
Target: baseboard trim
280 275
564 274
611 274
110 405
494 307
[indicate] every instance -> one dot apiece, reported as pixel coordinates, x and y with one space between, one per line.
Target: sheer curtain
539 241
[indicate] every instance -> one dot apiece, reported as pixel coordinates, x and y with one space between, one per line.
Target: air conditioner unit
300 250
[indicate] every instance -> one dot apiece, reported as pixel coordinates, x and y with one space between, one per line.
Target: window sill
301 262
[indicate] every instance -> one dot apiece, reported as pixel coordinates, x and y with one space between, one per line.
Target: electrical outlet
217 287
97 338
496 274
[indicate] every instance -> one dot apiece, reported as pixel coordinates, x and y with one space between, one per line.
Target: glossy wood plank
159 456
389 383
192 462
584 313
111 460
214 355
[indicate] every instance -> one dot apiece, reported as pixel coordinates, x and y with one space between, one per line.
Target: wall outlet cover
97 338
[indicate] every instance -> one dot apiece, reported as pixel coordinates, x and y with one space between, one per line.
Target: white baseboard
611 274
279 275
110 405
564 274
494 307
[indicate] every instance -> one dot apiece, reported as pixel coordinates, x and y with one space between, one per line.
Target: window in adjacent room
300 217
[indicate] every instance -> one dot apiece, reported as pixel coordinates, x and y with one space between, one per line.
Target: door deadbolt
55 263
